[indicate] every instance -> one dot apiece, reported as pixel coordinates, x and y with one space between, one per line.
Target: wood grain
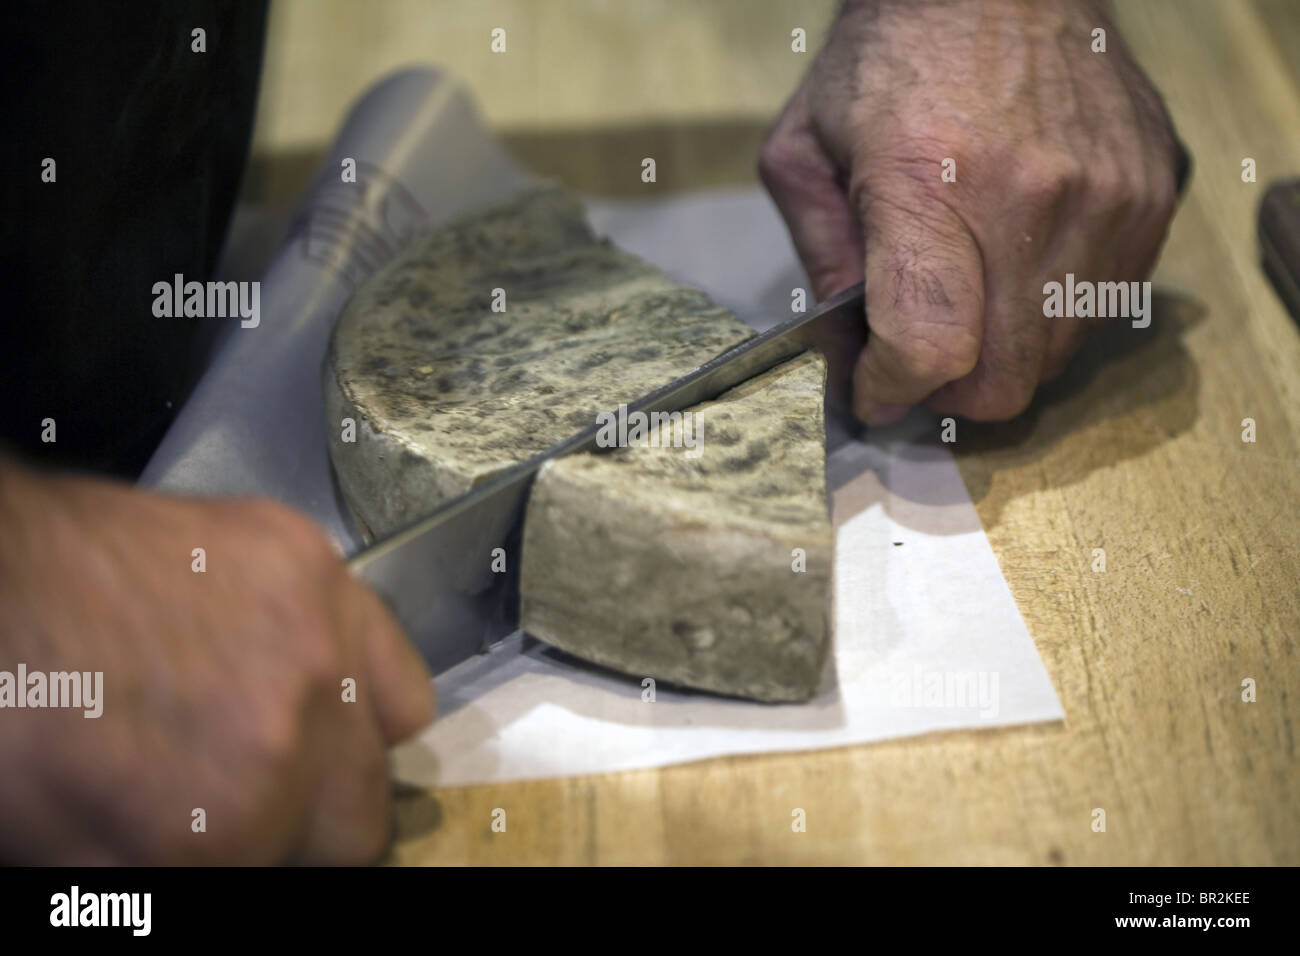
568 63
1136 450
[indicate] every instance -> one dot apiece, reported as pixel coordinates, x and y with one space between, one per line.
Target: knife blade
436 575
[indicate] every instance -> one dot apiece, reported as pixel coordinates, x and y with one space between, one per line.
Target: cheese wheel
491 340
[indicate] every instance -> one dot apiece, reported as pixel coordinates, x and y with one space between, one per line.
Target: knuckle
319 657
1111 187
1113 201
1048 177
778 159
275 741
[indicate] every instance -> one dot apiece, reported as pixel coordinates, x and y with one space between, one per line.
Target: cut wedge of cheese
708 567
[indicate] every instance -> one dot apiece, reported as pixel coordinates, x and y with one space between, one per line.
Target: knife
436 574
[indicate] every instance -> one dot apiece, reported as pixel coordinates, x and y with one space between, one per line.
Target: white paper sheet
927 635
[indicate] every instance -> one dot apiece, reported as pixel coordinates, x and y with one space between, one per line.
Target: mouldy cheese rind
444 392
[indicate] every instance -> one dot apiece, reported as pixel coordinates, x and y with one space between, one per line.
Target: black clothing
149 139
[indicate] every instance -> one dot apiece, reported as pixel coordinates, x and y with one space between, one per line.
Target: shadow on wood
1140 383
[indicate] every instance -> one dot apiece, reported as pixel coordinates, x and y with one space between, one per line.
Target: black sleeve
149 140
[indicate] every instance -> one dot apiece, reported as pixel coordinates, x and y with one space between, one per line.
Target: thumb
924 297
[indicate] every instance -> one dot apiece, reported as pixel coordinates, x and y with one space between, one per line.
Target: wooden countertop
1138 451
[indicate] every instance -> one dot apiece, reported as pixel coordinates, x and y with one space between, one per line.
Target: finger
401 686
1011 361
348 821
805 185
1067 333
1125 216
925 299
1039 237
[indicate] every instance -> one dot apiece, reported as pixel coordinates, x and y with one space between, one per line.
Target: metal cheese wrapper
254 424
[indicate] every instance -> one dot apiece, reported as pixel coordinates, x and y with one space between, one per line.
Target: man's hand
222 690
1065 161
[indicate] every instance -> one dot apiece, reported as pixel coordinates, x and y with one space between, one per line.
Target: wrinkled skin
1066 161
222 690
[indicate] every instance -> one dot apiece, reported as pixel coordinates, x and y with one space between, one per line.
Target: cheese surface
709 570
490 341
702 559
